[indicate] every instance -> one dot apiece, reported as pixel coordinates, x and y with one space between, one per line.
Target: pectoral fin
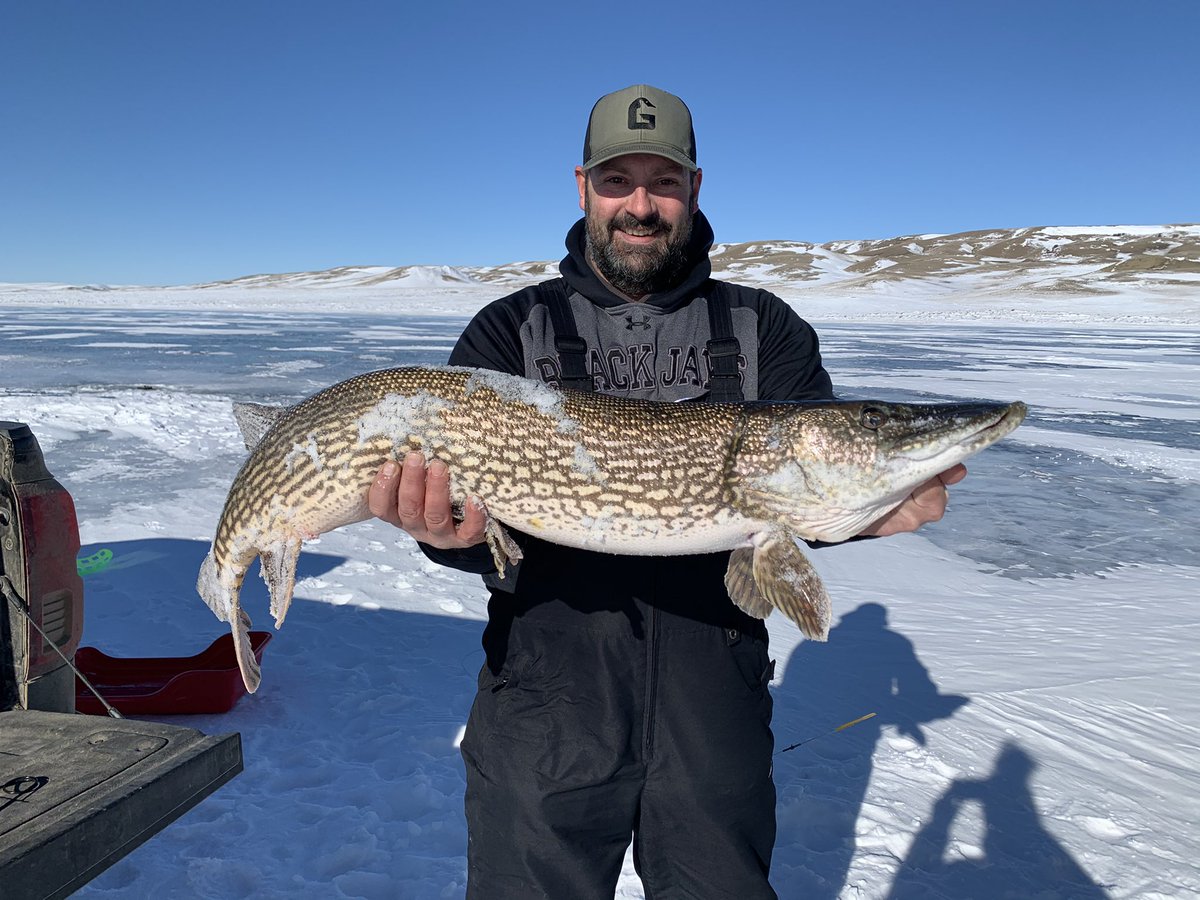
279 572
504 549
776 574
739 581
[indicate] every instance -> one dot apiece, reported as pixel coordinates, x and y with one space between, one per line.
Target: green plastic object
97 562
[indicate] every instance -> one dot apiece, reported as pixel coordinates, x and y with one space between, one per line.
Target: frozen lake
1032 658
1132 391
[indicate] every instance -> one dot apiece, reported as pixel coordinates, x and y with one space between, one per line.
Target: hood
580 276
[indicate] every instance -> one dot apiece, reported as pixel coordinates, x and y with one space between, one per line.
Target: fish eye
873 418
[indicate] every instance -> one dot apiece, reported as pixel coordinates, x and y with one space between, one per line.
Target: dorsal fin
255 420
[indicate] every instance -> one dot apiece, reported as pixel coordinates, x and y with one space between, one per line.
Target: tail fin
220 599
247 664
223 601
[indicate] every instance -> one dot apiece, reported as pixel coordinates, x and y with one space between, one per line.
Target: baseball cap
640 119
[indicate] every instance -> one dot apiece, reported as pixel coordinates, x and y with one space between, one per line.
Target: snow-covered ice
1032 659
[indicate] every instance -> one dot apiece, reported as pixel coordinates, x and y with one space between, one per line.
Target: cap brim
662 150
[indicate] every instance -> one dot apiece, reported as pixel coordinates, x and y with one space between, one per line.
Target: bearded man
624 698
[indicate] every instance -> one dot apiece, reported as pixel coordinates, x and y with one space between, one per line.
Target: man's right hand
417 499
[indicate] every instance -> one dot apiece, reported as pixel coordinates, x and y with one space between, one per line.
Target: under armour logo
638 118
632 323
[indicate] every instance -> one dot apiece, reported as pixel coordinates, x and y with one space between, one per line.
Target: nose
640 204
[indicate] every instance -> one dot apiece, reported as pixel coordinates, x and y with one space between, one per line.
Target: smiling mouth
637 236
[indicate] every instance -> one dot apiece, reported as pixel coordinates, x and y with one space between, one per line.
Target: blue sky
177 142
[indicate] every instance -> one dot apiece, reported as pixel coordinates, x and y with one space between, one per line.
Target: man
624 696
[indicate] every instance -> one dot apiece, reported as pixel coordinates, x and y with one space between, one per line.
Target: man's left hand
927 503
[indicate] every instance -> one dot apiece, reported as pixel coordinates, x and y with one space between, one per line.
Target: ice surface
1032 659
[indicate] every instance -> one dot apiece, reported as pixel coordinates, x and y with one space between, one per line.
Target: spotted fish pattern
586 470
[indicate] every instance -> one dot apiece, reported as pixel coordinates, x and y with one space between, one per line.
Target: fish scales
589 471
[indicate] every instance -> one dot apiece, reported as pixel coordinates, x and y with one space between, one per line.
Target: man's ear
696 178
581 183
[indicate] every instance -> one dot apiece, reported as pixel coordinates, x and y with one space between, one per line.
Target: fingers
381 498
410 496
933 496
416 498
474 524
439 520
927 503
954 474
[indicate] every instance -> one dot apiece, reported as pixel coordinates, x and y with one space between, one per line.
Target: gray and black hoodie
654 349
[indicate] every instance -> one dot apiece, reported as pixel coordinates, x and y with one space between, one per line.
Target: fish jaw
826 471
935 437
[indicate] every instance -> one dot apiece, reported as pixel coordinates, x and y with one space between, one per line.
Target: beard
638 270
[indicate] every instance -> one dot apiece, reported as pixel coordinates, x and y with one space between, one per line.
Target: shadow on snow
352 783
1019 857
868 667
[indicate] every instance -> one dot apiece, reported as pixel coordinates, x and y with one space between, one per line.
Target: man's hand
927 503
417 499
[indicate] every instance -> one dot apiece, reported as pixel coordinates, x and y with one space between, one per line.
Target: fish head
827 470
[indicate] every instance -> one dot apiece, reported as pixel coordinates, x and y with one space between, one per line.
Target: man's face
639 210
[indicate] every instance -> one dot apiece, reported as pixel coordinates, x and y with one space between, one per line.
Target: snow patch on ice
1176 463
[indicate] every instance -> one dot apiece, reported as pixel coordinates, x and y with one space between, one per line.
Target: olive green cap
640 119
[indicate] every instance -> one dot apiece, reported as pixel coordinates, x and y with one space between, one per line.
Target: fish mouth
956 432
1001 423
1011 417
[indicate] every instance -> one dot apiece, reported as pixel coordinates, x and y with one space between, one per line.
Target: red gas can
39 543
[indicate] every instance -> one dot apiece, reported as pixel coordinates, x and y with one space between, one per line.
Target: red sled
208 682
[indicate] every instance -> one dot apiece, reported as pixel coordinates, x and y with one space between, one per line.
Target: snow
1032 659
511 389
1118 230
397 416
310 449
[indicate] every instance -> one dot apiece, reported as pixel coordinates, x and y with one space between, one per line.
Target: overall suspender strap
571 348
725 385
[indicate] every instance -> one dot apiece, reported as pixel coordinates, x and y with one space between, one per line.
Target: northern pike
589 471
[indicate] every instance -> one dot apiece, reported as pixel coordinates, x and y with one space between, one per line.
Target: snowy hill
1079 259
518 273
1119 273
